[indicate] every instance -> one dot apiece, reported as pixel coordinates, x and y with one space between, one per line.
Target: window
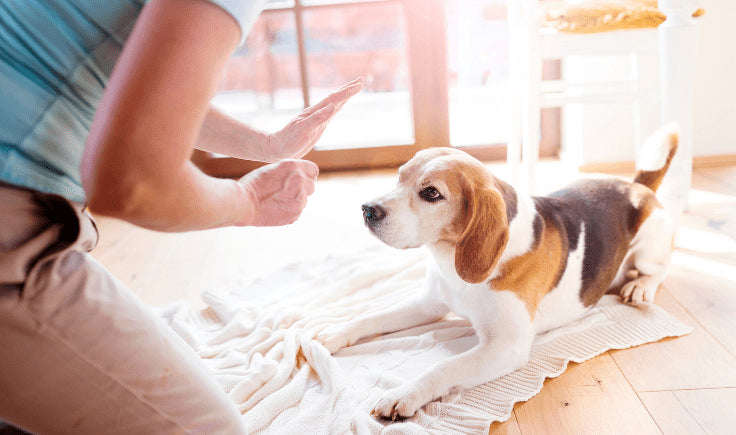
436 74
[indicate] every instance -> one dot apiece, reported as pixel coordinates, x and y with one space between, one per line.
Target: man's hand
302 133
279 192
223 134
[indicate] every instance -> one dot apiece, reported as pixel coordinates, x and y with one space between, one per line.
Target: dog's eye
430 194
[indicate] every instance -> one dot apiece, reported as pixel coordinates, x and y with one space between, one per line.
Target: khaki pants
79 353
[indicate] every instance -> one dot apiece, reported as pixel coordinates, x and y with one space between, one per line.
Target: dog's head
444 195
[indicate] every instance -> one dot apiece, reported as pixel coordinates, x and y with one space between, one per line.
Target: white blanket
258 341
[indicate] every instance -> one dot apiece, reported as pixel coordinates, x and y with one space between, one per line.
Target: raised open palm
300 135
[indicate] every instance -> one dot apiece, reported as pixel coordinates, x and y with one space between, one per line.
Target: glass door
301 50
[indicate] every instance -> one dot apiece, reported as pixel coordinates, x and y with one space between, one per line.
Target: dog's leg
506 336
651 257
416 311
487 361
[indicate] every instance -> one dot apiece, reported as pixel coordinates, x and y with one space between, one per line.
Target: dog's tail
656 156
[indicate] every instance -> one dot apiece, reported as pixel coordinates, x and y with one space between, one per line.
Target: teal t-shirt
55 59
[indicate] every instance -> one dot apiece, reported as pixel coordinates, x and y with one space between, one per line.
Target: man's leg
80 353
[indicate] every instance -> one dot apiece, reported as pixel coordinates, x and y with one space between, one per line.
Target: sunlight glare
704 266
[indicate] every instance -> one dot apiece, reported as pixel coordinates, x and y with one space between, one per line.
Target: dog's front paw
400 403
639 290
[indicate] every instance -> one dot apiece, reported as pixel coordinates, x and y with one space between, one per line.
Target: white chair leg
532 118
531 106
678 45
513 148
517 24
636 72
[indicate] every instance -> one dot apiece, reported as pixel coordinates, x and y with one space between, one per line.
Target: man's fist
278 192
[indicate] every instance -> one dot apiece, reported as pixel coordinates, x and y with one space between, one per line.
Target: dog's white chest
475 302
445 285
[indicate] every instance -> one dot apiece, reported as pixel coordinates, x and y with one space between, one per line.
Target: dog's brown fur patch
531 275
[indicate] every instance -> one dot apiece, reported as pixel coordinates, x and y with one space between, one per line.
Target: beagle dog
513 265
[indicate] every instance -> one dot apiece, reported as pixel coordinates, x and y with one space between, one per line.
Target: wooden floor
685 385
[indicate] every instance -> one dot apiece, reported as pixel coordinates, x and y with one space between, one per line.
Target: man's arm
223 134
136 160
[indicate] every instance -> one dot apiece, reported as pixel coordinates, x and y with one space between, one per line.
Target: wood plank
591 397
696 360
703 275
669 414
509 427
708 297
111 232
693 411
188 265
135 258
712 208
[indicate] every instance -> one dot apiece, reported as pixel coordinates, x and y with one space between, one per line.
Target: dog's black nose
373 214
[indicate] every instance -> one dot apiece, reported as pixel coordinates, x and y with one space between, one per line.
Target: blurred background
265 84
437 73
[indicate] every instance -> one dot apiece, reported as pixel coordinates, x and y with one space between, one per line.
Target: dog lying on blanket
513 265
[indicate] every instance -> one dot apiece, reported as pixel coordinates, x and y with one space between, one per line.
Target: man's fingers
300 183
337 97
321 116
357 80
309 187
291 166
302 133
280 191
294 185
347 90
311 169
351 88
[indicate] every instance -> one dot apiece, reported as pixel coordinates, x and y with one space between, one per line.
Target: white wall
714 117
603 133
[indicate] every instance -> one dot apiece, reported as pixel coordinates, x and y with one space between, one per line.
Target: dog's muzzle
373 214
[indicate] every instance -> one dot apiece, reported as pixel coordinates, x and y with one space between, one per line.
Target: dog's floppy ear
485 235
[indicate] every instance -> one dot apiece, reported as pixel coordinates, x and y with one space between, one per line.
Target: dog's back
609 213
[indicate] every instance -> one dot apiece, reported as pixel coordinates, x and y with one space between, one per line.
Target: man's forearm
225 135
189 200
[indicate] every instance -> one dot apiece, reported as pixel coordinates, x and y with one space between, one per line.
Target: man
102 104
